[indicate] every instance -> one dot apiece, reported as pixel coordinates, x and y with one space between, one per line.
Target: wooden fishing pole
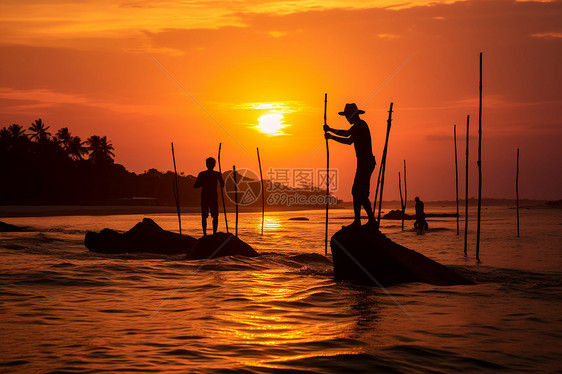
456 176
383 161
222 192
466 190
235 198
479 166
176 190
262 193
517 191
327 179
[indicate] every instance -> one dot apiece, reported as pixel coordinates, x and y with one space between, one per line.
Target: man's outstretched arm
339 139
337 132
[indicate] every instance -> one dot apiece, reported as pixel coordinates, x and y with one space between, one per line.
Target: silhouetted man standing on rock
360 136
208 180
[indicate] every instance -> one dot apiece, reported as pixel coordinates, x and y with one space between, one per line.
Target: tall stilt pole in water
176 190
235 198
401 200
222 192
262 193
456 177
517 191
405 196
466 189
479 166
383 161
327 179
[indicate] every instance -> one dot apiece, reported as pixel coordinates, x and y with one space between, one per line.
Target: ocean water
64 309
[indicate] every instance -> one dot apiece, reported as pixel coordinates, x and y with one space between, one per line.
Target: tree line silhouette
39 168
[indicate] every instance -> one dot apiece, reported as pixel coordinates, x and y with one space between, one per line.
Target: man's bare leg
215 224
204 224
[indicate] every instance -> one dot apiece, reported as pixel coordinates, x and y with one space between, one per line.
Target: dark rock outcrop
6 227
144 237
367 256
397 214
220 244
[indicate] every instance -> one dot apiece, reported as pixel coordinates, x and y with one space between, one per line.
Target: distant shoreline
10 211
13 211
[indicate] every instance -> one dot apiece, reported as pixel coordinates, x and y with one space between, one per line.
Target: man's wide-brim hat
351 109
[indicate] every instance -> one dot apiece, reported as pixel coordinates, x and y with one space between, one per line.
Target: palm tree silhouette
76 148
101 150
39 131
107 149
64 138
16 131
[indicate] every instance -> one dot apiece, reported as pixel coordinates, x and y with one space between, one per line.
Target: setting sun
271 124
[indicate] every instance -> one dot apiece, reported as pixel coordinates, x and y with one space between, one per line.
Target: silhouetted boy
360 136
420 223
207 180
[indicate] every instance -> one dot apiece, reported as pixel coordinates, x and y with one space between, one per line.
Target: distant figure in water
208 180
421 223
360 136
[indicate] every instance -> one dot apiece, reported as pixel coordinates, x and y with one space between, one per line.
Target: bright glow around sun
271 124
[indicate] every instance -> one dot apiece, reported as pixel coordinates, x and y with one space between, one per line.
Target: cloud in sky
49 22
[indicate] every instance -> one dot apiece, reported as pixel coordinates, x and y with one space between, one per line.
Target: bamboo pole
466 190
401 199
222 192
456 177
262 193
479 166
327 179
235 198
517 191
383 161
176 189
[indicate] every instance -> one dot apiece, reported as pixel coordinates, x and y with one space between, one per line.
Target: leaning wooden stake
235 198
466 191
456 177
479 166
327 179
176 190
222 192
262 193
383 161
377 189
517 191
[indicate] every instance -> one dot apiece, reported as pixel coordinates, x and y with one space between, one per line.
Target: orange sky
98 68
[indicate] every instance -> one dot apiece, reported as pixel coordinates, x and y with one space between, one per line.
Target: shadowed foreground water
65 309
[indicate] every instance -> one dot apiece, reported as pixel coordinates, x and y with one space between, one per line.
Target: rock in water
397 214
144 237
219 244
365 255
6 227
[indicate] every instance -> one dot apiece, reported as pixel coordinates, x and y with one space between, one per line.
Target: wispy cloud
279 107
25 100
39 22
548 35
